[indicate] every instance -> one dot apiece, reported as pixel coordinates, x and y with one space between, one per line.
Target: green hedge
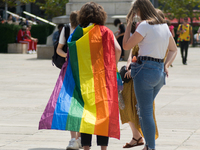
41 32
8 34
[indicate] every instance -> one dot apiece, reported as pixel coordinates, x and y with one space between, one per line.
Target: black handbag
122 72
57 60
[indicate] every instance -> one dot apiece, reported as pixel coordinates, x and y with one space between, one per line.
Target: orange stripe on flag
97 58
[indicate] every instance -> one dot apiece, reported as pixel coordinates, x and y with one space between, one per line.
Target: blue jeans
148 78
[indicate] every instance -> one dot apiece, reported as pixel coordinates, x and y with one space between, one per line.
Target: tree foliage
13 3
180 8
53 8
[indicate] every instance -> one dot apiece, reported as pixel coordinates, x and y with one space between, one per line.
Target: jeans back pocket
135 69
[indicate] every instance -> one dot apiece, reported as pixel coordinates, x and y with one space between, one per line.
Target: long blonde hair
147 12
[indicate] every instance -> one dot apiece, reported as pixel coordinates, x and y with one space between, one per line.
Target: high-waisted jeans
148 78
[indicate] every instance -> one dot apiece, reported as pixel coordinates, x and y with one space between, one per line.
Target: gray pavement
26 84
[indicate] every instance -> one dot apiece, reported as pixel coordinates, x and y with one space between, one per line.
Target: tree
13 3
53 8
180 9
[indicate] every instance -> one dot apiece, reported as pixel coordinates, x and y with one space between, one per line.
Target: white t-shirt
62 39
156 39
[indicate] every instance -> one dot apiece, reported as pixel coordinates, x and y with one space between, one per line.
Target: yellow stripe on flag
87 85
85 30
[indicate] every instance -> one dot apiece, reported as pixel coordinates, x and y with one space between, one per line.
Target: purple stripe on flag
47 116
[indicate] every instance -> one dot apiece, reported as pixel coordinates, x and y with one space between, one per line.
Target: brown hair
168 22
147 12
160 13
91 12
74 19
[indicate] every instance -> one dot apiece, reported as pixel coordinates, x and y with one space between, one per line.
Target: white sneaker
79 142
29 52
34 51
73 144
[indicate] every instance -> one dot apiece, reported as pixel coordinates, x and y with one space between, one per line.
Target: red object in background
174 22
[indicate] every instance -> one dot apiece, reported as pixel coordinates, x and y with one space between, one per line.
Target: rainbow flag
85 98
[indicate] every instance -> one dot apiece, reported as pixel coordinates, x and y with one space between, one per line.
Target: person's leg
35 45
182 49
145 81
78 135
29 44
73 144
86 140
186 50
102 141
103 147
136 134
78 138
73 134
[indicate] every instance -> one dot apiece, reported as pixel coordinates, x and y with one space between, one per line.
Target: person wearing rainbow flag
85 97
185 36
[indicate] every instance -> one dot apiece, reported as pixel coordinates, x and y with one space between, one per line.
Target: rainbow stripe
85 97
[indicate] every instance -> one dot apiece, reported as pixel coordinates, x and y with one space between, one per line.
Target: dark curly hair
117 21
91 12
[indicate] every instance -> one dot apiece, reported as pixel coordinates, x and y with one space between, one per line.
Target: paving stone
26 84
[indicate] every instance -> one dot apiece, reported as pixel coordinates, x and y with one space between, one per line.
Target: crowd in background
17 20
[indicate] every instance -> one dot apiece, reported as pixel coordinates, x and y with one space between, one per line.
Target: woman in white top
154 38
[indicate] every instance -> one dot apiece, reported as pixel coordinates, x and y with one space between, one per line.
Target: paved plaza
26 84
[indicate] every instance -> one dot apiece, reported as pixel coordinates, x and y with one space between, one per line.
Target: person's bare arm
130 42
173 34
60 51
119 35
117 50
171 54
129 59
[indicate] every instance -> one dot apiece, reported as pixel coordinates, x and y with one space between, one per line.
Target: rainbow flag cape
85 98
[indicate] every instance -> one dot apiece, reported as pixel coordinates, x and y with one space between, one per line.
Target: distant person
10 19
24 38
27 22
198 32
34 40
33 21
119 35
185 36
17 20
57 34
171 28
21 22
